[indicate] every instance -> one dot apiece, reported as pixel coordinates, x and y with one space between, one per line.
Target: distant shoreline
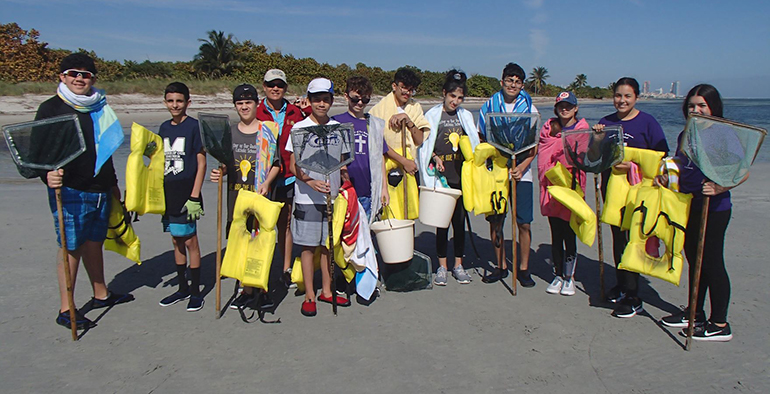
132 103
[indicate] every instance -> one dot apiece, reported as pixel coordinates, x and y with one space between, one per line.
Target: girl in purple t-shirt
705 100
640 130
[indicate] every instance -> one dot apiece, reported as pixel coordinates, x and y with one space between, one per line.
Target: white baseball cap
320 85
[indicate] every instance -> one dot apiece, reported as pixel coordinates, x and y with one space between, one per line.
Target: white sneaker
555 286
569 287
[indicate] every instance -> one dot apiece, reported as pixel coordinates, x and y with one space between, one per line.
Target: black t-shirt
240 173
448 153
79 173
181 144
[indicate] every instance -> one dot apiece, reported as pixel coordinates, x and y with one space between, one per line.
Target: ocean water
755 112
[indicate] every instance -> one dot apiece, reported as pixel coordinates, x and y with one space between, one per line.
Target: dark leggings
628 281
458 237
562 237
713 275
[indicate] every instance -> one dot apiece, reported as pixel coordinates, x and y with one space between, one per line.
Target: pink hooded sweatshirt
550 151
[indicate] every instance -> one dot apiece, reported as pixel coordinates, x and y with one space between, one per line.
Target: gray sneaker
461 275
440 278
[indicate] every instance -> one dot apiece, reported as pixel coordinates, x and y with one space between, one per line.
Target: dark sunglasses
361 99
273 84
78 73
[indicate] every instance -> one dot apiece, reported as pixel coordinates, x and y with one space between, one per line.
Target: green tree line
23 58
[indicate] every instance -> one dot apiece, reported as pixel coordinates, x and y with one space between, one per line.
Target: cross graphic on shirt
360 142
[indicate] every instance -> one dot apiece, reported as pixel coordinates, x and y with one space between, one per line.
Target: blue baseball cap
568 97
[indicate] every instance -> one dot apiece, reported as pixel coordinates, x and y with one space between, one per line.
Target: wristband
195 199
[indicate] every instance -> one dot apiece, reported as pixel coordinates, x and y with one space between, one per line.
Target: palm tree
581 81
217 55
537 79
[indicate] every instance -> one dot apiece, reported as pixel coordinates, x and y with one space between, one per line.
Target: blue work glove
193 208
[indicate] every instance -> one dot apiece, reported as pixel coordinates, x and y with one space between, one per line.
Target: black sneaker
495 276
63 319
174 298
242 300
681 319
265 302
712 332
112 299
615 295
286 279
525 279
628 307
195 304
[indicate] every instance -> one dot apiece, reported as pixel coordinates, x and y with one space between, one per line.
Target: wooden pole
219 244
514 255
696 277
597 193
330 250
403 180
65 261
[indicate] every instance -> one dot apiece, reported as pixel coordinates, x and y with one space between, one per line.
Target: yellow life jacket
121 238
617 200
662 213
396 206
249 259
338 220
484 191
582 219
144 184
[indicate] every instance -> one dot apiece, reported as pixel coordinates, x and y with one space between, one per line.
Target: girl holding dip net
551 152
704 99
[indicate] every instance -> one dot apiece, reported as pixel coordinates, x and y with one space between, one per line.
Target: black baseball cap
245 92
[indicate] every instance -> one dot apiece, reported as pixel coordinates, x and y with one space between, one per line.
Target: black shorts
284 193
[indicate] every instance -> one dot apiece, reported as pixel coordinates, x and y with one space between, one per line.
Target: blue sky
726 44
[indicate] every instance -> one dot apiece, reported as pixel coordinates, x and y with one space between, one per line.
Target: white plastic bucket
395 238
437 205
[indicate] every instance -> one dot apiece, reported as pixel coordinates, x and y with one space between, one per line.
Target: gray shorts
309 226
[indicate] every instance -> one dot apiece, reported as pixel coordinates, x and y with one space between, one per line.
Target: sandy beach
474 338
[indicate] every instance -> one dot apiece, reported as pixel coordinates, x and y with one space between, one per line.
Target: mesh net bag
323 149
513 133
416 274
723 150
216 136
44 145
592 151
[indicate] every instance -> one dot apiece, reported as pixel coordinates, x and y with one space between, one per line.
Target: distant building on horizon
675 88
646 87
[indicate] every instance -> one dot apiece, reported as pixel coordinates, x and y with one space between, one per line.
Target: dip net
323 149
722 149
592 151
216 136
44 145
512 133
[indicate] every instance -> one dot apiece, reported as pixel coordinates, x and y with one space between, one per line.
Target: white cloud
535 4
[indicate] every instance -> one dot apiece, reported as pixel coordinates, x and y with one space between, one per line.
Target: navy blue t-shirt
181 145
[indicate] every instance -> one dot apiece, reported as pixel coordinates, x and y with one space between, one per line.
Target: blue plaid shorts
86 216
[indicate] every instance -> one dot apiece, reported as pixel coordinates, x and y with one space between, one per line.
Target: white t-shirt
527 176
303 193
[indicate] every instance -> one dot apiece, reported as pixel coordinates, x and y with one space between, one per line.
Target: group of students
430 155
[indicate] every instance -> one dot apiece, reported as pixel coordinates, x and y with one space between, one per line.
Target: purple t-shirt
643 131
691 181
359 171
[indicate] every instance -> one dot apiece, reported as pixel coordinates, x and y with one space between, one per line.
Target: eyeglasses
513 82
78 73
362 99
277 83
405 89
